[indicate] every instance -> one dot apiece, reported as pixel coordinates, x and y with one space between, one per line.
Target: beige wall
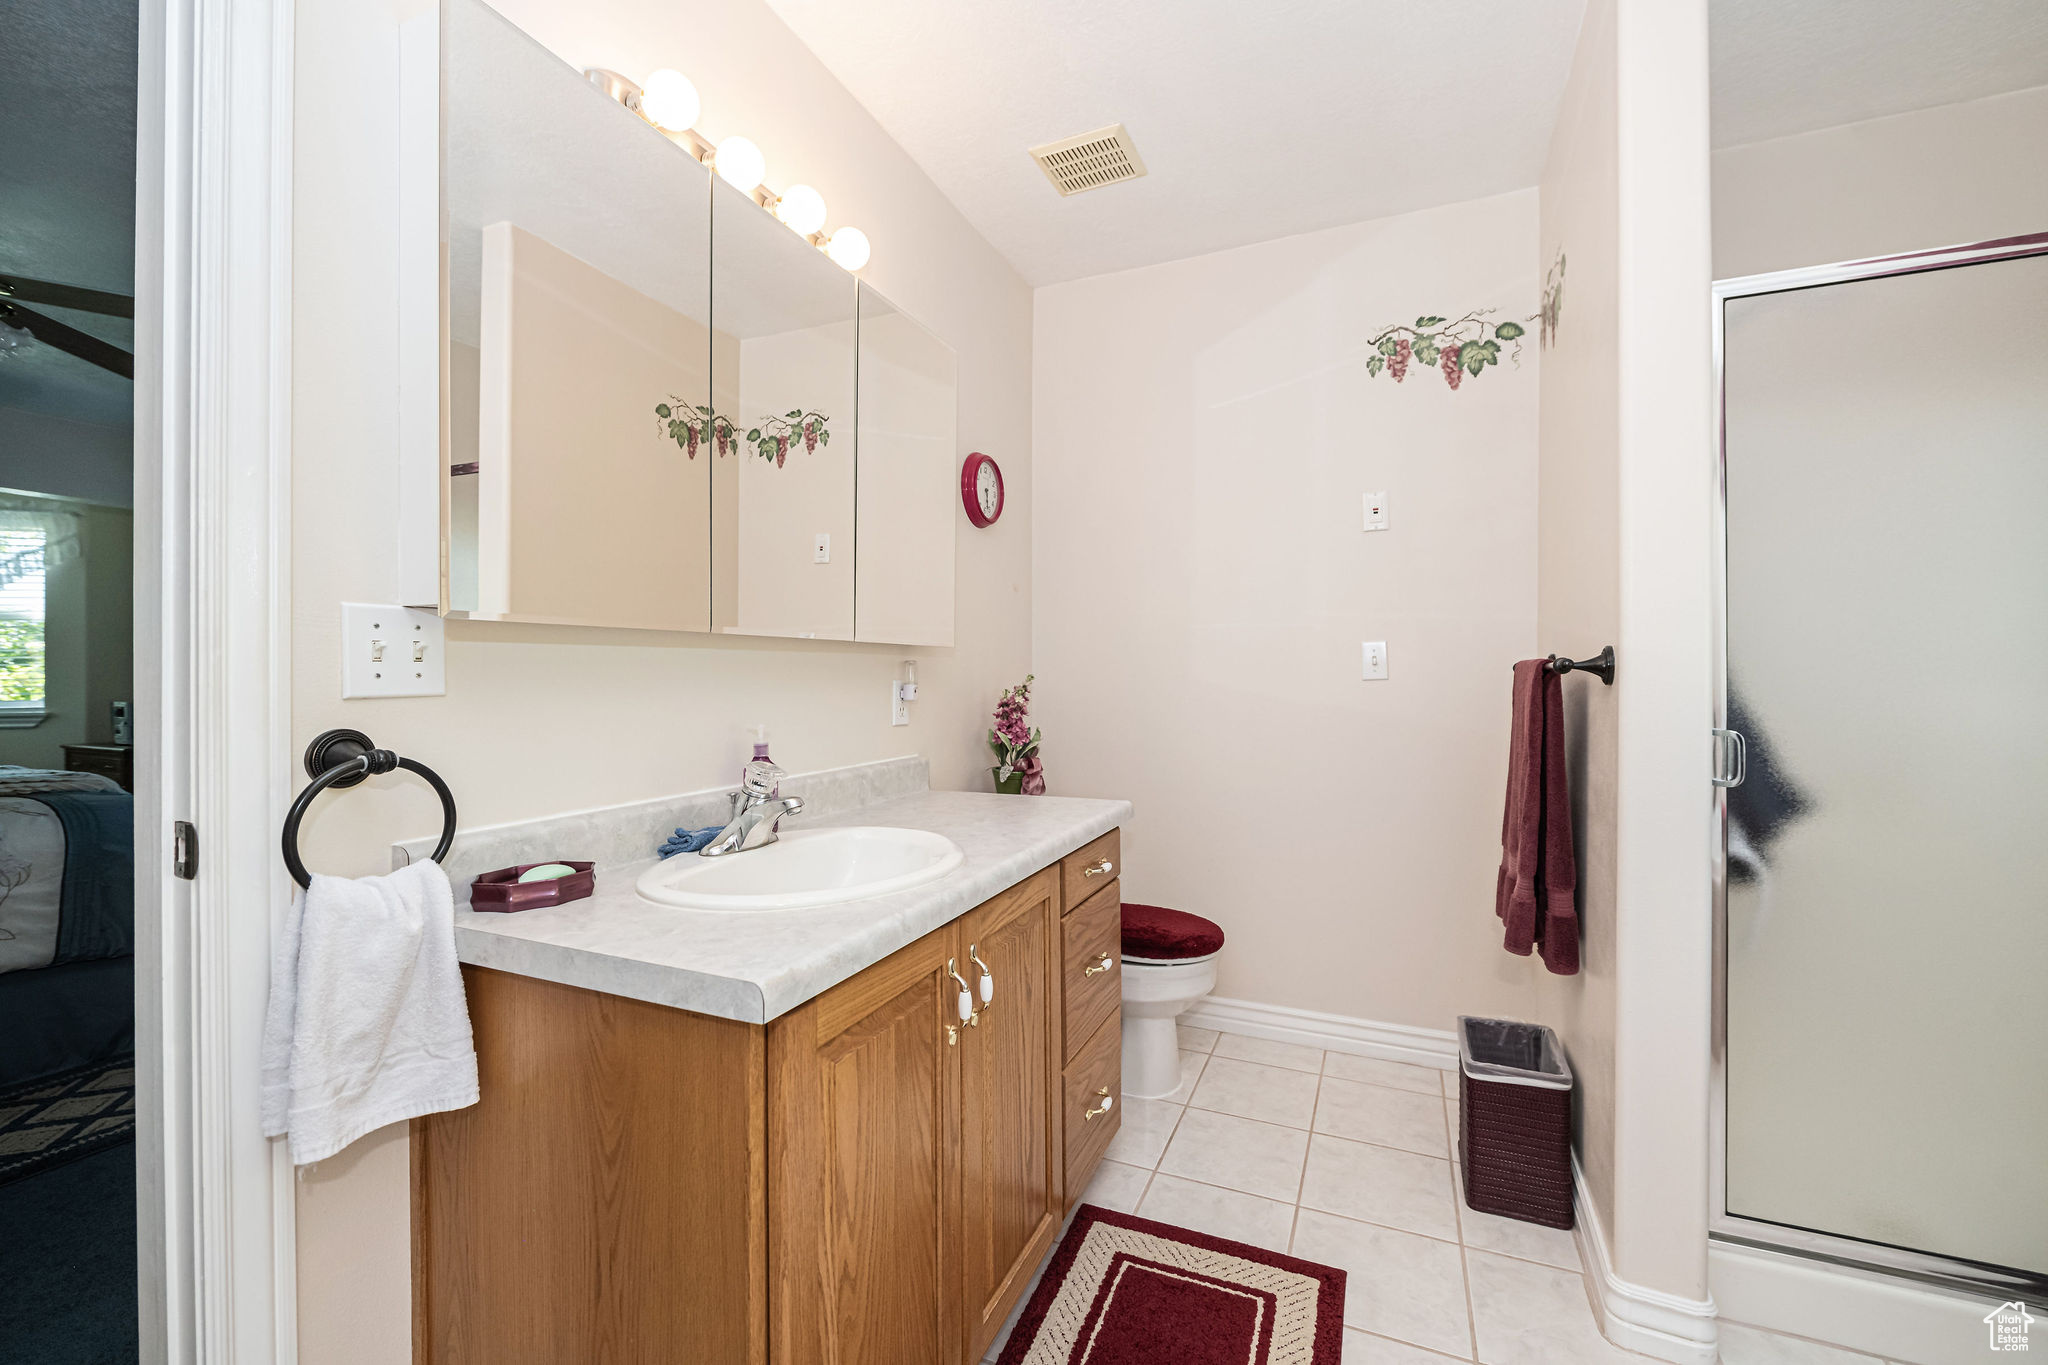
1663 799
1578 599
1932 178
1205 432
88 640
1626 506
541 719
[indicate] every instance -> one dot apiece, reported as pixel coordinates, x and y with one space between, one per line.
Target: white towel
367 1022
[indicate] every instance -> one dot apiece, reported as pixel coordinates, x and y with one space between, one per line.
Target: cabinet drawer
1087 869
1093 1078
1091 965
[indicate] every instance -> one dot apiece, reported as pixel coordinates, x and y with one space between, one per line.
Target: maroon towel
1538 872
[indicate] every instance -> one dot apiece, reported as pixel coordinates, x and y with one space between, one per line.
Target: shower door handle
1731 758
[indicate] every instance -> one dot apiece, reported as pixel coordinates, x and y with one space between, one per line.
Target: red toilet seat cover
1157 932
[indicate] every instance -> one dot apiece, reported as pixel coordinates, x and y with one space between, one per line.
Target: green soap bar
547 872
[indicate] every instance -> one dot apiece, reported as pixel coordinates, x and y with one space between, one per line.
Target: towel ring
342 758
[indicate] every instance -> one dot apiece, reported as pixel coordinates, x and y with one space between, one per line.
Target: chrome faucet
754 812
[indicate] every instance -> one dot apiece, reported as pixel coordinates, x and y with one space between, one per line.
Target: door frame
215 1239
1947 1272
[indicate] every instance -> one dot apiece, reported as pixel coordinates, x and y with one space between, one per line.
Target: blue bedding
98 906
81 1007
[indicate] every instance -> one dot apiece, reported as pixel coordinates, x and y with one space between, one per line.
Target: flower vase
1012 785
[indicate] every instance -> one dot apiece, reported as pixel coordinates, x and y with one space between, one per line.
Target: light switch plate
1375 660
392 652
821 548
1375 511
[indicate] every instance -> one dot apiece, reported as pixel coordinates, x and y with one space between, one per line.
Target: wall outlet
901 694
392 652
1375 660
821 548
1375 511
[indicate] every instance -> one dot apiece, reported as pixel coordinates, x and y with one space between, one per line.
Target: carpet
60 1118
1123 1290
67 1263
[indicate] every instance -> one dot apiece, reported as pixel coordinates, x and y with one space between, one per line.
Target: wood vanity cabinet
866 1180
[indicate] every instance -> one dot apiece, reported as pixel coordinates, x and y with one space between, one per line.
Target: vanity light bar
847 246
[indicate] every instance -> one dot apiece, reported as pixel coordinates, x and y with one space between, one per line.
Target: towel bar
342 758
1601 667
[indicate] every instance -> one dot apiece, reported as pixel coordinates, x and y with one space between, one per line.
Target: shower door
1883 907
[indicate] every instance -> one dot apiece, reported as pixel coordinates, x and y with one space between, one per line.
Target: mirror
783 450
909 499
576 374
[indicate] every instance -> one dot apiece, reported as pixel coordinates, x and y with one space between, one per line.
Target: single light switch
372 667
821 549
1375 511
1375 660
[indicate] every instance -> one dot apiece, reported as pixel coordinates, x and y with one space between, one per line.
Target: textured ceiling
67 187
1792 66
1255 121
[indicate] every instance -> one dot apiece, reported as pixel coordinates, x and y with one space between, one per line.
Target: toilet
1169 962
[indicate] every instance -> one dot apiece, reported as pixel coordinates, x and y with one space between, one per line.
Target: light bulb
802 208
848 248
740 164
670 101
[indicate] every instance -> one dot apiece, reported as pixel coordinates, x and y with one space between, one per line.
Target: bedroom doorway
67 743
144 394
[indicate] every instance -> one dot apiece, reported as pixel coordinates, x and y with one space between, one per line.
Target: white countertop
755 965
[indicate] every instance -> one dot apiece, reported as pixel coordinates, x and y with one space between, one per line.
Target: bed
67 922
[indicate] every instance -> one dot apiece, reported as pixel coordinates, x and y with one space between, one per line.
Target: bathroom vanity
770 1136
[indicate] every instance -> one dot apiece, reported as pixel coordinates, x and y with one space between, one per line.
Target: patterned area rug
1123 1290
60 1118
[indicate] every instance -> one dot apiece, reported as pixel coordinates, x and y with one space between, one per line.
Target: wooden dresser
108 760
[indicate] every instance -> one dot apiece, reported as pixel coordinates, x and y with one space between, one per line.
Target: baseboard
1896 1318
1635 1316
1336 1032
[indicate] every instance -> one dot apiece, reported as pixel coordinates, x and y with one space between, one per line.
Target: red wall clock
981 489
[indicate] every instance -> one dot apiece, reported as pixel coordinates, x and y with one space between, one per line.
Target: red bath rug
1123 1290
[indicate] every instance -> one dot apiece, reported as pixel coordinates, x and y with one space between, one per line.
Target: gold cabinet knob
1094 1112
1107 964
1100 869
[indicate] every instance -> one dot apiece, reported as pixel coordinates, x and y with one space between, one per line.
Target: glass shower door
1886 911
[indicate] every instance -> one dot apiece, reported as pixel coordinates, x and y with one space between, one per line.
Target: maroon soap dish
502 890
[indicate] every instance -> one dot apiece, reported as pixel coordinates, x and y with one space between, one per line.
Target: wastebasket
1515 1121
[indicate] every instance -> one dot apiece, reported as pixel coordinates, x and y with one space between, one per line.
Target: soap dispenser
761 755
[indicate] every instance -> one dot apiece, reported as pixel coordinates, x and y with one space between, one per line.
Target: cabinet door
863 1177
1010 1173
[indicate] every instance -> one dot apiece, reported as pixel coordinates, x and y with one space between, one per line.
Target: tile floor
1346 1160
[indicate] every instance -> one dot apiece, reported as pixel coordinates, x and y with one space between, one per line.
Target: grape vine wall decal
688 425
1458 348
1553 301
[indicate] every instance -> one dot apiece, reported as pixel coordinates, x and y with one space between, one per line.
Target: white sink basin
803 868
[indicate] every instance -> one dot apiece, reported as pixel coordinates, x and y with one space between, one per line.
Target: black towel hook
342 758
1601 667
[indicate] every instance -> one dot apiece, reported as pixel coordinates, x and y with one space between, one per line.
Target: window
22 567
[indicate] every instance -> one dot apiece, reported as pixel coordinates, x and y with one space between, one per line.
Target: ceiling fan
16 293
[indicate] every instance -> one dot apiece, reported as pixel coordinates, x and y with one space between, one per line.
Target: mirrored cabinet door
577 356
782 430
908 499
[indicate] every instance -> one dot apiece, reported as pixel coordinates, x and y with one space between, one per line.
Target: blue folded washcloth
688 840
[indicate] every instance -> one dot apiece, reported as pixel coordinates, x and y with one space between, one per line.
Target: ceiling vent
1090 161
